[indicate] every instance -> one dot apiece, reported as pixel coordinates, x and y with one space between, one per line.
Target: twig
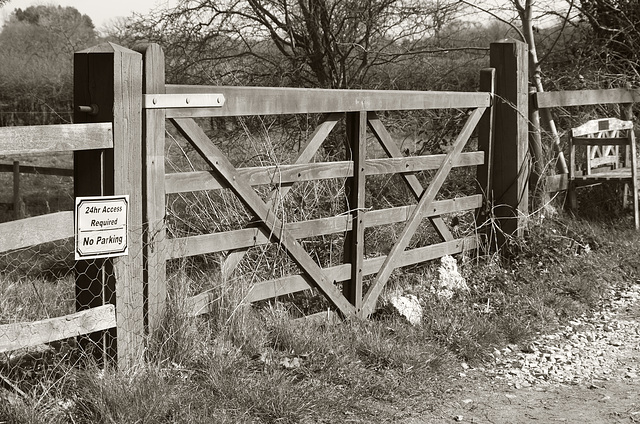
7 384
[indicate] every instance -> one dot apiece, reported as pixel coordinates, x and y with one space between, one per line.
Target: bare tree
527 14
616 34
326 43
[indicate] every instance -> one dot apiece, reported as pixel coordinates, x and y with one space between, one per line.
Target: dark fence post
511 161
17 196
354 243
108 82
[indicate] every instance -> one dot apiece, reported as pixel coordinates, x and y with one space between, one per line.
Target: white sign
101 227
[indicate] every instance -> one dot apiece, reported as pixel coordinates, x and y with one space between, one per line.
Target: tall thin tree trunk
524 11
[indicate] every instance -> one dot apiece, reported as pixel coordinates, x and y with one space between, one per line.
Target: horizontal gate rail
181 182
201 303
250 237
243 101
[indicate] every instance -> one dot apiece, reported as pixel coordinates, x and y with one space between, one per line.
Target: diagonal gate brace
427 198
392 150
312 146
216 159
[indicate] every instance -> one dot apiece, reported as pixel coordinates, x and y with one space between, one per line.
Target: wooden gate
182 104
123 102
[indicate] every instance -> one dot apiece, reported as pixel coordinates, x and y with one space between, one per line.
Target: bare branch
494 15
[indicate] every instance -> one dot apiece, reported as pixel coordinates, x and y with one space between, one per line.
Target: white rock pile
589 349
449 279
408 306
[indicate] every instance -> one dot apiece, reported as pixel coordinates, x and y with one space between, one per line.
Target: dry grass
242 364
258 364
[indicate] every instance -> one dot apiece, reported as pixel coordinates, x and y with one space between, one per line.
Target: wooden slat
40 170
17 196
295 283
55 138
635 185
440 207
614 174
600 161
602 127
392 260
286 174
585 97
35 230
399 165
214 157
27 334
412 181
250 237
268 101
604 141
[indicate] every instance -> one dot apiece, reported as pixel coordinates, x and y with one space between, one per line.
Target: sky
100 11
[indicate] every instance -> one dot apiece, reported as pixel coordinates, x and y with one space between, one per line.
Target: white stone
450 281
408 306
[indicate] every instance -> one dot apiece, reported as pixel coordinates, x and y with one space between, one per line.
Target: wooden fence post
510 161
154 190
17 196
626 114
108 79
354 243
537 180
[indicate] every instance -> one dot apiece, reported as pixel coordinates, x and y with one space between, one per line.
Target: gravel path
590 349
586 372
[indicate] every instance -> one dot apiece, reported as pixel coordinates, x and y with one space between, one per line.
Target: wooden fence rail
28 334
16 170
625 97
33 231
37 170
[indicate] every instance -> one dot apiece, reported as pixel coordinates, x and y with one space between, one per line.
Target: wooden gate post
510 158
108 88
154 191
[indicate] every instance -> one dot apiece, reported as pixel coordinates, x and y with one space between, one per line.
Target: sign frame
101 226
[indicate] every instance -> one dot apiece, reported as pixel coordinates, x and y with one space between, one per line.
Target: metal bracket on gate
169 101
